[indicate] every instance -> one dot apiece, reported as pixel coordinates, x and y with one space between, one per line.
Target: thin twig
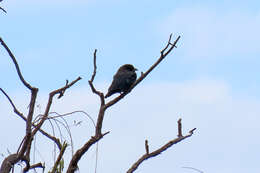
3 10
34 92
168 48
98 135
24 118
158 151
47 109
28 137
64 146
71 113
94 90
29 133
13 105
95 66
37 165
16 65
53 134
80 152
63 91
66 126
179 128
146 147
27 140
53 138
195 169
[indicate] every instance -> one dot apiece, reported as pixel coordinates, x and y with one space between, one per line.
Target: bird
122 80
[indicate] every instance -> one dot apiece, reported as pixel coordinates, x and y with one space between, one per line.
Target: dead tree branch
148 155
28 166
146 146
34 91
24 151
179 128
94 90
16 65
3 9
64 146
98 133
164 52
28 137
24 118
73 166
71 113
13 105
95 66
8 163
47 109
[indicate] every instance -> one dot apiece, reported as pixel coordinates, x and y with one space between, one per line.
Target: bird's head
128 67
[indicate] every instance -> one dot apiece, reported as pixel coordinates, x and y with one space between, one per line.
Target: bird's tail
108 94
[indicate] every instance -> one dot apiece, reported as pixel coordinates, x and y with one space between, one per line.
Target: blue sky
218 38
211 80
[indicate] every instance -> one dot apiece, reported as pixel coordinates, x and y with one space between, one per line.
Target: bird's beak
135 69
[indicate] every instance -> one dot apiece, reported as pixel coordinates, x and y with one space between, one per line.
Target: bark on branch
51 96
16 65
164 52
23 153
103 106
148 155
64 146
34 92
37 165
54 139
3 9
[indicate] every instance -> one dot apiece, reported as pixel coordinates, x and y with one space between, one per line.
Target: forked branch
34 92
148 155
51 95
24 151
164 52
37 165
98 133
94 90
54 139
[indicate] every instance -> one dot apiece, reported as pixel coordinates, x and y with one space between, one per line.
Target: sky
210 81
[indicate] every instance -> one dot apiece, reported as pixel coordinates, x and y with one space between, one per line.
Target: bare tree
23 152
32 128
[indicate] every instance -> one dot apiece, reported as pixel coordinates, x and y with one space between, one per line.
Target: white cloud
211 33
226 127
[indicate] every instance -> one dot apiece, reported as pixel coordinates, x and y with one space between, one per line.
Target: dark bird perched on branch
123 79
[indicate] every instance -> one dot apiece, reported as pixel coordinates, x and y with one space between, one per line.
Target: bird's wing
117 80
